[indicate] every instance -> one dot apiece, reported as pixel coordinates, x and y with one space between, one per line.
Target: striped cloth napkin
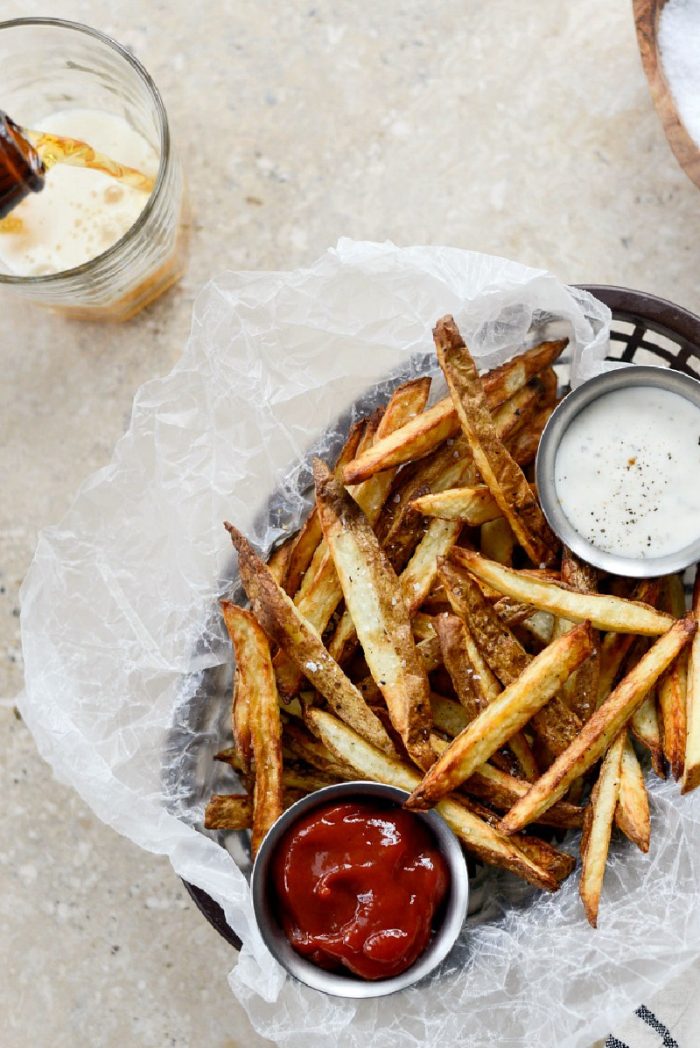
671 1019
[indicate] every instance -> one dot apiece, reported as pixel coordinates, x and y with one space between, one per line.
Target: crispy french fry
302 745
632 812
597 734
691 771
604 612
472 506
282 622
513 708
599 820
254 664
524 444
420 573
482 840
279 559
240 702
554 725
502 790
452 634
581 690
503 476
374 598
672 687
426 432
497 540
229 811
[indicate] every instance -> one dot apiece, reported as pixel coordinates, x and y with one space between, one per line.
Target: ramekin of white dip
618 471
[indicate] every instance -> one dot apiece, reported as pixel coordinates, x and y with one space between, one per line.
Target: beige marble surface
519 129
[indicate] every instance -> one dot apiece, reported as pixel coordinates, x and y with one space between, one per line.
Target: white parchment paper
127 665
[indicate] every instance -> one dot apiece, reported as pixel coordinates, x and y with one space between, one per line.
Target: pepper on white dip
627 472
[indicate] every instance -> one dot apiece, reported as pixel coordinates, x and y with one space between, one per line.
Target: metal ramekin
562 417
454 909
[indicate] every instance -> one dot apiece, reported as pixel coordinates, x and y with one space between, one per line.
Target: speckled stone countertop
518 129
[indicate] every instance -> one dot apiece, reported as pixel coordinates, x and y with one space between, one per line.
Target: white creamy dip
627 472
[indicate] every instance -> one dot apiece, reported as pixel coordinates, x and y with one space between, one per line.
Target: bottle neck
21 169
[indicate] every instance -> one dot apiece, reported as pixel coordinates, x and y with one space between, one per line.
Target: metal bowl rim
570 407
455 907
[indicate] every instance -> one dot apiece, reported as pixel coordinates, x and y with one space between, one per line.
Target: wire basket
645 329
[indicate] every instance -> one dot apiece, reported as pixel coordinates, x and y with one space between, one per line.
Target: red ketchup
358 885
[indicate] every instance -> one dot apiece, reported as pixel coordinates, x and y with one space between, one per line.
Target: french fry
599 820
452 634
554 725
302 745
603 611
482 840
473 506
523 445
254 664
279 559
497 541
580 691
500 472
227 811
420 573
281 620
691 771
513 708
240 702
672 687
374 598
632 812
597 734
430 429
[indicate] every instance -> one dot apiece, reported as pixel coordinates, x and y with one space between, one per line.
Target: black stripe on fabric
658 1027
613 1042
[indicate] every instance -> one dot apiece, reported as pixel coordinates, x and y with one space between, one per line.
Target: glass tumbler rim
114 249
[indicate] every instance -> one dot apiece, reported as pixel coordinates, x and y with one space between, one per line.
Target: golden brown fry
302 745
405 404
482 840
503 476
604 612
254 664
497 540
524 444
360 437
282 622
420 573
632 812
279 559
240 703
452 634
554 725
426 432
581 690
473 506
597 734
599 820
672 687
548 858
374 598
510 712
691 772
229 811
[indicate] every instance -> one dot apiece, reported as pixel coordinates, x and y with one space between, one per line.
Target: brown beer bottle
21 168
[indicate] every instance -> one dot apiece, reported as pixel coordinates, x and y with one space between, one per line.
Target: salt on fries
424 629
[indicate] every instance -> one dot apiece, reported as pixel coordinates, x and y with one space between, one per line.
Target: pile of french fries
425 629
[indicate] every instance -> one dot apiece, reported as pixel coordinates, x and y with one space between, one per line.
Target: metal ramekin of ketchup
356 896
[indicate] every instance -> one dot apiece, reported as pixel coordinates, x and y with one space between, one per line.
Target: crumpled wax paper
128 666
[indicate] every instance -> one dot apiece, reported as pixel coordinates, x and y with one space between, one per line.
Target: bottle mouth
21 168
